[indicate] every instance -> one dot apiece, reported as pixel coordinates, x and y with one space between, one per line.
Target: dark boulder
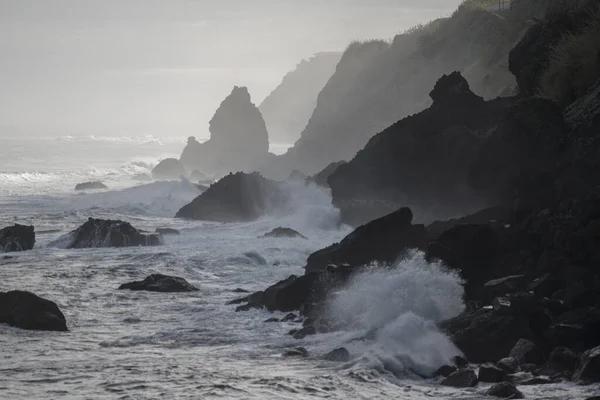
338 355
382 240
485 336
505 390
167 231
508 365
27 311
236 198
445 371
160 283
17 238
561 360
527 352
95 185
463 378
106 233
168 169
491 373
284 233
589 367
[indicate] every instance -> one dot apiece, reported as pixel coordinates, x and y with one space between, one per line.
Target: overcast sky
161 67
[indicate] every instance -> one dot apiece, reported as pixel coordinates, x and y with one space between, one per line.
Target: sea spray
394 311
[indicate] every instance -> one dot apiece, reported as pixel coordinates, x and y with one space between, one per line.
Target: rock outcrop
95 185
25 310
422 161
288 108
160 283
236 198
239 140
106 233
17 238
284 233
168 169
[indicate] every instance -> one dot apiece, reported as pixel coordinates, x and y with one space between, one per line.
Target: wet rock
383 239
95 185
304 332
338 355
289 317
106 233
537 380
17 238
237 197
161 283
502 286
240 290
26 310
526 352
508 364
460 362
491 373
564 358
589 367
445 371
169 169
463 378
284 233
167 231
272 320
296 352
505 390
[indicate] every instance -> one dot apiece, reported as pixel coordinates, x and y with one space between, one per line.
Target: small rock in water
289 317
17 238
95 185
160 283
505 390
463 378
338 355
271 320
445 371
296 352
26 310
167 231
283 233
240 290
491 373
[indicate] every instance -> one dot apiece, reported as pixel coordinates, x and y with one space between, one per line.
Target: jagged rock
169 169
284 233
160 283
491 373
384 240
288 108
445 371
167 231
484 336
142 177
296 352
508 364
17 238
25 310
505 390
452 89
527 352
95 185
463 378
106 233
239 140
338 355
322 177
236 198
589 367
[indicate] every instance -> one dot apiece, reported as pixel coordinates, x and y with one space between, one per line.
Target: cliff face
238 138
378 83
288 108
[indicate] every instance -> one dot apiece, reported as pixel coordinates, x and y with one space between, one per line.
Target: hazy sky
161 67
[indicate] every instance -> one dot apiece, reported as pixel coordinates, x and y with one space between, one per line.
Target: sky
162 67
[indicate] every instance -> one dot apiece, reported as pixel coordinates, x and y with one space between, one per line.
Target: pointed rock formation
238 138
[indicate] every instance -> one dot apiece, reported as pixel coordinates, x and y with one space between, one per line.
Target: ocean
141 345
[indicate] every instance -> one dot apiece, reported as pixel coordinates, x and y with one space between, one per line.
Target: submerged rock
296 352
168 169
284 233
445 371
236 198
106 233
505 390
95 185
160 283
463 378
167 231
26 310
338 355
17 238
